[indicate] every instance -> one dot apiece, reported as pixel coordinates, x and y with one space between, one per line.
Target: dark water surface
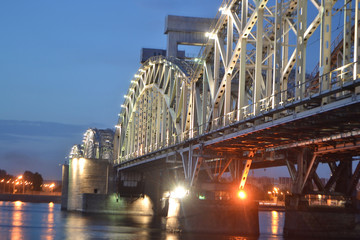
19 220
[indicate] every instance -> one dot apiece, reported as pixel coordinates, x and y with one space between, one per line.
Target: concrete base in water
113 204
229 217
35 198
324 222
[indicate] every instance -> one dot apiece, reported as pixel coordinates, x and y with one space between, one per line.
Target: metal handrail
335 79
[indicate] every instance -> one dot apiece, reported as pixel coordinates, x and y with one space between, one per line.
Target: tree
28 176
37 181
35 178
2 173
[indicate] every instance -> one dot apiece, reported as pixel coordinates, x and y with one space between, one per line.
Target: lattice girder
155 108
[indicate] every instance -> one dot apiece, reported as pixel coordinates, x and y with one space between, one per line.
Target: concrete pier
34 198
303 219
212 216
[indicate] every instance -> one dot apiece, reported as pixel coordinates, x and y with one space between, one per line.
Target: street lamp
21 182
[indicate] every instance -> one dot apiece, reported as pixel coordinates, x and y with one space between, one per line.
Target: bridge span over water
277 83
249 96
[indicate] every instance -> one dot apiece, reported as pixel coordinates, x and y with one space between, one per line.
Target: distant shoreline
30 198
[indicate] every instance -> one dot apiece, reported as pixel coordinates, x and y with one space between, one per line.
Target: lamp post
22 182
3 181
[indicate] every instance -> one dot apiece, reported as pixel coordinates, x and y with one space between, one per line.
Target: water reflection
17 221
271 224
50 222
274 222
20 220
75 225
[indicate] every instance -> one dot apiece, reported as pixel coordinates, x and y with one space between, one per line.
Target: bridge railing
330 84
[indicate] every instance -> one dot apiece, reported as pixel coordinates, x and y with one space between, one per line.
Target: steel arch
155 110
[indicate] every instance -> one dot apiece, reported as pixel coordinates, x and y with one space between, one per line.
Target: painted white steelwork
255 67
97 144
154 111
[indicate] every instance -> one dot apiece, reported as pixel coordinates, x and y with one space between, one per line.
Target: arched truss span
97 144
76 151
155 111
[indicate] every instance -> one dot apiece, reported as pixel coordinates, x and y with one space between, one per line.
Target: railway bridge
276 83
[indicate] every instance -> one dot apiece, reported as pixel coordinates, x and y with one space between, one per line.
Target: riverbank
33 198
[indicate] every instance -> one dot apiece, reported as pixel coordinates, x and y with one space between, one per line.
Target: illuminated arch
98 144
154 113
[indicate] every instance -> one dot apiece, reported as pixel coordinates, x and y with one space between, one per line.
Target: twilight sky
65 66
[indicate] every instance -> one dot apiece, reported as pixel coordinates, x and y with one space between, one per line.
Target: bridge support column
324 211
65 187
153 189
192 214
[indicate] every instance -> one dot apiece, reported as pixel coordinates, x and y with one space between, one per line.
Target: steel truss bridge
273 86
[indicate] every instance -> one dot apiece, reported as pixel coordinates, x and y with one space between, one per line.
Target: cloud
37 146
12 131
17 158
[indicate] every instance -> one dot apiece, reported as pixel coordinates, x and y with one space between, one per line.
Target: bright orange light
20 177
241 194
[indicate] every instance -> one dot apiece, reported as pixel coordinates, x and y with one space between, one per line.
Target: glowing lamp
242 194
179 192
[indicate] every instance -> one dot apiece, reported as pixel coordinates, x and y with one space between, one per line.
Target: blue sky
62 61
65 65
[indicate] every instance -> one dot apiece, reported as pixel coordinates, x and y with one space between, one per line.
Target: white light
123 106
142 70
133 81
211 35
126 96
224 10
179 192
136 76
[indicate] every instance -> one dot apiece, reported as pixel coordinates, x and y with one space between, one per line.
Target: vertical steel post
277 64
356 43
301 50
325 43
258 62
229 49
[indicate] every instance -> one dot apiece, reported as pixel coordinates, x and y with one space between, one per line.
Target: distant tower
180 30
185 31
90 167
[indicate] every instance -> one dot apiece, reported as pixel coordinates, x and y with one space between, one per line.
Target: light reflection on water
275 222
20 220
16 232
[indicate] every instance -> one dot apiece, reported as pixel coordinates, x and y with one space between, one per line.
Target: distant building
285 183
189 31
147 53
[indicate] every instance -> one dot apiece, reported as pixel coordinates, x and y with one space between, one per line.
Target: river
20 220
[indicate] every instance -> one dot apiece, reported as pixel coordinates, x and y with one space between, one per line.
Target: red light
242 194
